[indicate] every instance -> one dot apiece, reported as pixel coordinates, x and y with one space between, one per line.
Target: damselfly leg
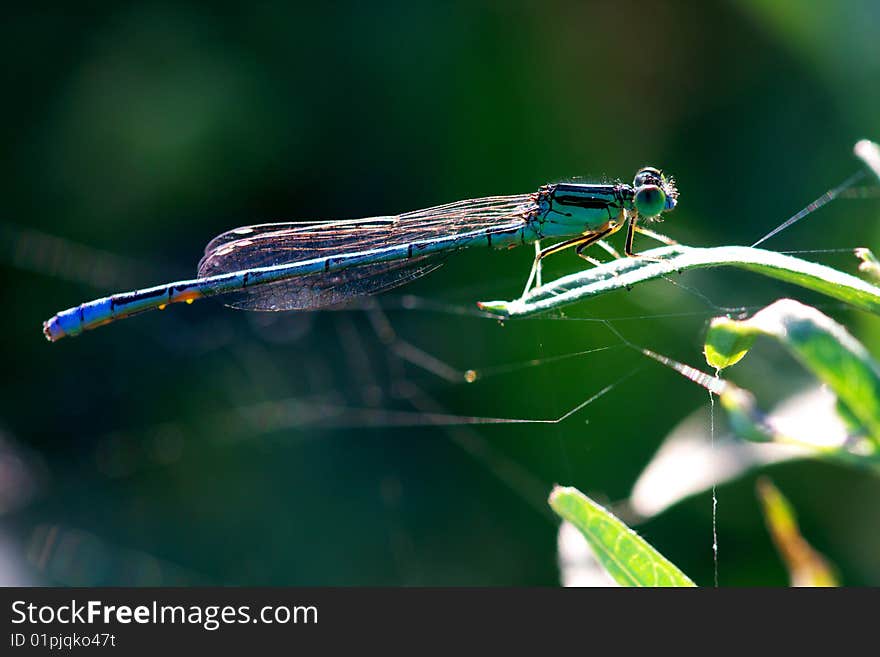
632 228
581 242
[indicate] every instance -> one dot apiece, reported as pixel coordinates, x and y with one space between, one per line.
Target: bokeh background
206 445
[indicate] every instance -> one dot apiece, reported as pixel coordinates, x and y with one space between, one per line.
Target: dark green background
154 452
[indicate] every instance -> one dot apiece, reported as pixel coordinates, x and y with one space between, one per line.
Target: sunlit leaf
578 565
627 557
822 345
749 422
624 273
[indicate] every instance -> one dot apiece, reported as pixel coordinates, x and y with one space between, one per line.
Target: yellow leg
630 233
537 263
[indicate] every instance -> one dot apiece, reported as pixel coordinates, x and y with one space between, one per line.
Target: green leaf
726 347
627 557
624 273
822 345
822 348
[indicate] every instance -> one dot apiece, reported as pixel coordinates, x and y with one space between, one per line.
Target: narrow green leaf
624 273
627 557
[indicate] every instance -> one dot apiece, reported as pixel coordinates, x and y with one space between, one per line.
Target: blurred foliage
205 445
806 567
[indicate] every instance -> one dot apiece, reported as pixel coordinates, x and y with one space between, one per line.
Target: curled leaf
822 345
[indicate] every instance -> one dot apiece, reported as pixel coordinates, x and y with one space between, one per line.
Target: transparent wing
322 290
265 245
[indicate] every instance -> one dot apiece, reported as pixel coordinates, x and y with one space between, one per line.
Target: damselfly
314 264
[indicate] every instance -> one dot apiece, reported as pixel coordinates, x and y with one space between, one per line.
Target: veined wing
259 231
265 245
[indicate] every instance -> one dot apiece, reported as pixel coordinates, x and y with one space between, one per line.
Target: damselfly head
654 193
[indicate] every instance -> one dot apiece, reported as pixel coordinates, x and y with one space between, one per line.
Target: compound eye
647 176
650 200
